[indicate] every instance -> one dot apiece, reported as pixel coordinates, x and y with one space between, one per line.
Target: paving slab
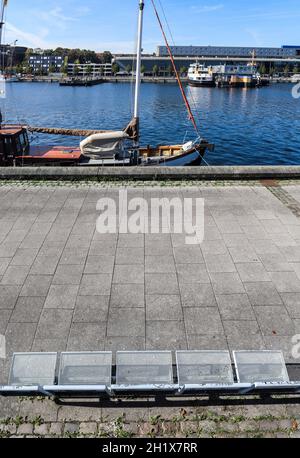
165 335
262 293
163 307
61 296
91 309
197 295
243 335
235 307
54 323
86 337
36 285
27 310
126 322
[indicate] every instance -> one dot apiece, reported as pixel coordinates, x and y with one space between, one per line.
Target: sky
111 24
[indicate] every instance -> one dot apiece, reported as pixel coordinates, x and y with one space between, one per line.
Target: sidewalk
63 286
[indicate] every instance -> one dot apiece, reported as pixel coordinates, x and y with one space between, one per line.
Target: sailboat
106 148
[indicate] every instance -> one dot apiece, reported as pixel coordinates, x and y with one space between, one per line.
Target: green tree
28 70
286 70
49 52
76 67
170 70
106 57
115 68
271 70
24 67
155 70
64 69
262 69
296 69
89 70
19 68
183 70
28 53
128 68
52 69
143 69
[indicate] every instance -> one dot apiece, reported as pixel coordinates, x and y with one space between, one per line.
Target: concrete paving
64 286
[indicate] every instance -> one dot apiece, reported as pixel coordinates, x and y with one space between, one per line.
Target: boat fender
187 146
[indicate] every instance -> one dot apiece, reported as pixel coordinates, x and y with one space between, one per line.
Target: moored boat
99 149
11 79
200 76
296 78
240 76
85 82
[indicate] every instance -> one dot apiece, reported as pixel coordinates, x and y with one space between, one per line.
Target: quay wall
213 173
125 79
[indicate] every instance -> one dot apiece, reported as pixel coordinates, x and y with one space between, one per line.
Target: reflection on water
254 126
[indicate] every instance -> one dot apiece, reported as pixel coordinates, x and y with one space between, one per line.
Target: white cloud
57 13
255 35
121 47
57 18
267 15
117 46
27 38
207 8
81 10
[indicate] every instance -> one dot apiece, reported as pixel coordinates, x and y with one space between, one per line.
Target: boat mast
3 5
139 60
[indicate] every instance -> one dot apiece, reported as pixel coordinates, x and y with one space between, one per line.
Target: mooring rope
71 132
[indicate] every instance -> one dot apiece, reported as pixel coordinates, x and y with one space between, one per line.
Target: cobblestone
41 430
88 428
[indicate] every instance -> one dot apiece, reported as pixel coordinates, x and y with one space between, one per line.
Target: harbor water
249 127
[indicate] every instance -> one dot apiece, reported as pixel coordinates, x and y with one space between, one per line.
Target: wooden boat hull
175 155
193 156
68 156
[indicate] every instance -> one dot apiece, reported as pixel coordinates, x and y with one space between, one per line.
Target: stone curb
153 173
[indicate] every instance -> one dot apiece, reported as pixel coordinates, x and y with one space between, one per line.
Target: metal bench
29 373
206 371
265 369
89 374
83 372
144 371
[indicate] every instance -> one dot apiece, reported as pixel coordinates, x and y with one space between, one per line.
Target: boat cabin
15 150
14 143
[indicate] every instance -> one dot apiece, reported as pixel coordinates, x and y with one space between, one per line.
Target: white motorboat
200 76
